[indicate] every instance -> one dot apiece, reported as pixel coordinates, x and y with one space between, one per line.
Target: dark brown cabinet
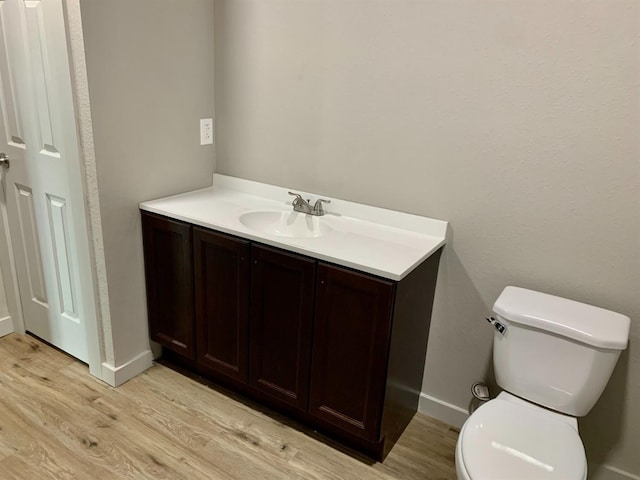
282 293
169 279
350 346
340 350
221 268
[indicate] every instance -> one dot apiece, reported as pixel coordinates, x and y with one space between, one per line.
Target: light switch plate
206 131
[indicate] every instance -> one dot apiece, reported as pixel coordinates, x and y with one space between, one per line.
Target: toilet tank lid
579 321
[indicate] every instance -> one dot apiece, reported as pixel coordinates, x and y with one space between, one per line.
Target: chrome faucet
303 206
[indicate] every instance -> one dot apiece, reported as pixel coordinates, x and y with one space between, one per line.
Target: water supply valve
480 391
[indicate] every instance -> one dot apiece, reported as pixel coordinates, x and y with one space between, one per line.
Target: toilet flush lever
500 327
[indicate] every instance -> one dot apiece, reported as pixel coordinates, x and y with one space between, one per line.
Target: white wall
515 121
150 76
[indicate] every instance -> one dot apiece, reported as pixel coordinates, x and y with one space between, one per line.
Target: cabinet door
282 288
221 265
350 349
169 276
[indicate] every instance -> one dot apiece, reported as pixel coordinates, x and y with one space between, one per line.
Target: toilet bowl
553 358
508 438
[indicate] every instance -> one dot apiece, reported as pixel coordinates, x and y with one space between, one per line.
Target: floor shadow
272 414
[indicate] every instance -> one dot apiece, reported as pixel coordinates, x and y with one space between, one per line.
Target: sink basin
285 224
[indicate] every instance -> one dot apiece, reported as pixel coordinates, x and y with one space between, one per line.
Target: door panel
41 74
221 267
282 289
39 135
59 223
169 275
350 348
30 245
12 122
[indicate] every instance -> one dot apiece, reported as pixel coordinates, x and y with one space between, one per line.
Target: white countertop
382 242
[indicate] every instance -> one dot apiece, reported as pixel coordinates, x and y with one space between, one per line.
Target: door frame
88 225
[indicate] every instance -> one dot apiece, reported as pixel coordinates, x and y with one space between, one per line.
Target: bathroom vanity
323 318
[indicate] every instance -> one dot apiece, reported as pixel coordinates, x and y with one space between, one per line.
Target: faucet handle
300 204
298 197
317 208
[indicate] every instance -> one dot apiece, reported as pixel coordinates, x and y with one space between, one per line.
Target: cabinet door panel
282 288
221 265
350 348
169 276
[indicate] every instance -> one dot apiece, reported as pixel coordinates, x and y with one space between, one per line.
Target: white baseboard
609 472
6 326
116 376
443 411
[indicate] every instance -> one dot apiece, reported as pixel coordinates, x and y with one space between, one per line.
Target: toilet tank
556 352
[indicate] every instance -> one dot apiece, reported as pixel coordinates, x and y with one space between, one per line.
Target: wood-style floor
58 422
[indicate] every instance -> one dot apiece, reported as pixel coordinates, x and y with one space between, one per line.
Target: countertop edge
434 230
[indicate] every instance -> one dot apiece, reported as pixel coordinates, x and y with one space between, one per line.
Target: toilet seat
504 439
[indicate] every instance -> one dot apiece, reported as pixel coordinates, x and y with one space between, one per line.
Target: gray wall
515 121
150 72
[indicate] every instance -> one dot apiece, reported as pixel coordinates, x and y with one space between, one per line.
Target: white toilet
553 357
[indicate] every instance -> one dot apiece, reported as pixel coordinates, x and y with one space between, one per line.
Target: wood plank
58 422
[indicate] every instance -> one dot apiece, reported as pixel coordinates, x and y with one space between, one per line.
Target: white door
37 133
